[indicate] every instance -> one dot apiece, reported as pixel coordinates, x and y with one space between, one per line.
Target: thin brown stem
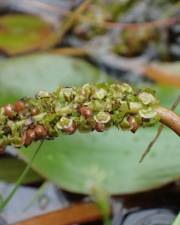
152 143
160 129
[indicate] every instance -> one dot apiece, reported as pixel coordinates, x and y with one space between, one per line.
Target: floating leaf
20 33
82 161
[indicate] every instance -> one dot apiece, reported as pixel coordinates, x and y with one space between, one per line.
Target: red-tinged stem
169 118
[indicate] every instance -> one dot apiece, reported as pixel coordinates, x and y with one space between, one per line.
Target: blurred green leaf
82 161
21 33
11 168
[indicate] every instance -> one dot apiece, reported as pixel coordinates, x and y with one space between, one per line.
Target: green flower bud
124 106
125 124
63 111
148 113
135 106
64 123
102 117
97 105
115 91
147 98
88 90
100 93
126 88
43 94
68 93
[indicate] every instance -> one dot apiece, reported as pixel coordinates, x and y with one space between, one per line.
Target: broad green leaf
11 168
82 161
21 33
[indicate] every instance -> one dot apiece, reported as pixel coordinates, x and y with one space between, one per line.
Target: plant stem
169 118
160 129
147 150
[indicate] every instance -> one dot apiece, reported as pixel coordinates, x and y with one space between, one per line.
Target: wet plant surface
132 41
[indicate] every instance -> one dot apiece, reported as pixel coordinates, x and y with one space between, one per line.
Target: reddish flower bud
99 127
34 111
9 111
19 106
133 124
85 111
40 131
71 129
29 136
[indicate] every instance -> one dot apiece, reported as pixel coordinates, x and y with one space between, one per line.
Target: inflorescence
87 108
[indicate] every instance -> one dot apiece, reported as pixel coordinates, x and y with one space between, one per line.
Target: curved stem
169 118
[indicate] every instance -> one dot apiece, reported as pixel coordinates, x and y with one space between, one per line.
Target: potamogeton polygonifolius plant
86 109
